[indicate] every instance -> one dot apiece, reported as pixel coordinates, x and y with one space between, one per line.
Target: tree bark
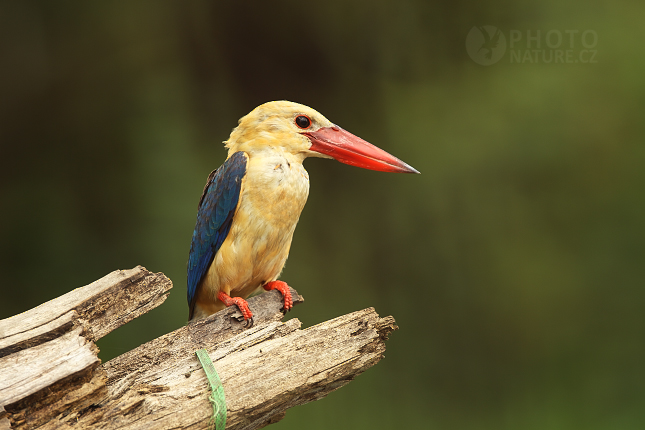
51 377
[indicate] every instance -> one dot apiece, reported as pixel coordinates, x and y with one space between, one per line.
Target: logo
485 44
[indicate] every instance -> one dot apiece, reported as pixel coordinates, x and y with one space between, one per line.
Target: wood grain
265 370
100 307
51 378
48 359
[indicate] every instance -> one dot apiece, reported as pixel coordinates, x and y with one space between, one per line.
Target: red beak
349 149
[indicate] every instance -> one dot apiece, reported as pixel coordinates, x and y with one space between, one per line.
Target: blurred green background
514 264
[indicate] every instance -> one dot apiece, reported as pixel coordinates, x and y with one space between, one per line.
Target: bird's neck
268 152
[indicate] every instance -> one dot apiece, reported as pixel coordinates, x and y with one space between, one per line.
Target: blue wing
214 218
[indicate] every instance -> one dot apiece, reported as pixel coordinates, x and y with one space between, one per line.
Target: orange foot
284 289
240 303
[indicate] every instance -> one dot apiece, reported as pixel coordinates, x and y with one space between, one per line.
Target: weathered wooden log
48 361
99 307
265 370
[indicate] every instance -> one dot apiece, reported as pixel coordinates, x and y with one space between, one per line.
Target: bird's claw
284 290
241 304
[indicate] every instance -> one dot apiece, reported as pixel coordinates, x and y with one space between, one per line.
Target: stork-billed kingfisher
250 205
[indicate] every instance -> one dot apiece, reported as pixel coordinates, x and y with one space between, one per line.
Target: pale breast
275 190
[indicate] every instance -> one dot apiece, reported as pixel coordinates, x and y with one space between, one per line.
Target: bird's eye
303 121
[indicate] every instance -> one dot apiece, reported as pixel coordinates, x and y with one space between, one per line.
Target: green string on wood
217 390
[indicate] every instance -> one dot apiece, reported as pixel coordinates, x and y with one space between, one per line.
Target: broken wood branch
48 359
265 369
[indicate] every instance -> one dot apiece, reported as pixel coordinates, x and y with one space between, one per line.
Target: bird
489 43
251 204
